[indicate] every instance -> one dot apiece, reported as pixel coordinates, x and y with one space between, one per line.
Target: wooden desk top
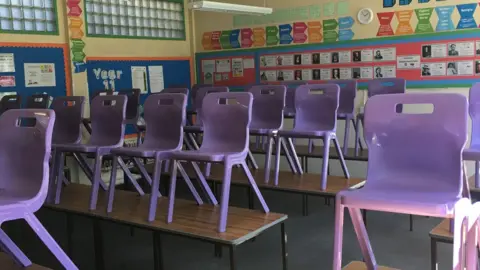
302 151
362 266
442 231
6 263
189 219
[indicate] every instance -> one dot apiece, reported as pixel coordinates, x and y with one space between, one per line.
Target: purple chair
10 102
38 101
25 187
473 152
415 167
380 87
226 118
473 232
315 118
67 130
267 117
193 94
107 115
174 90
289 111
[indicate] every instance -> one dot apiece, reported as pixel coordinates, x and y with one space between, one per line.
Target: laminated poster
157 81
39 74
384 72
408 62
461 49
269 61
362 56
223 65
434 51
139 78
7 63
237 67
434 69
385 54
325 74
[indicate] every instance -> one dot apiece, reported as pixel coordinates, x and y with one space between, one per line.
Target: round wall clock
365 15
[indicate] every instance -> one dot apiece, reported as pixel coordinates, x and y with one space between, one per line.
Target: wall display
345 73
345 57
424 25
404 27
434 51
286 60
306 59
316 74
335 74
445 22
362 73
307 75
460 68
222 65
461 49
335 58
272 35
325 74
285 32
477 45
330 33
139 78
385 20
7 63
39 74
297 75
384 54
76 35
246 35
477 67
258 37
269 61
7 81
237 67
467 19
297 59
434 69
208 68
384 72
362 56
325 58
157 80
314 32
286 75
408 62
299 32
269 75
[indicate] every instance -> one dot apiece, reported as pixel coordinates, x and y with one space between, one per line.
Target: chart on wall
450 60
228 71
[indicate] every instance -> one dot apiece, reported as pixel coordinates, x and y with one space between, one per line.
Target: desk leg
98 245
233 261
157 251
69 235
284 247
433 254
411 223
218 250
305 205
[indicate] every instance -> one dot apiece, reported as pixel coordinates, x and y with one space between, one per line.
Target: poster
345 73
7 63
434 51
434 69
7 81
248 63
285 75
157 81
325 58
316 58
362 73
222 65
477 68
335 74
268 61
362 56
316 74
208 68
285 60
297 59
237 67
345 56
218 77
461 49
298 75
460 68
335 57
478 47
307 74
385 54
325 74
384 72
139 79
408 62
268 76
39 74
306 59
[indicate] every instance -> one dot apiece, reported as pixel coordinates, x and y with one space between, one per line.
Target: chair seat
472 153
437 204
208 156
143 151
84 148
297 133
193 129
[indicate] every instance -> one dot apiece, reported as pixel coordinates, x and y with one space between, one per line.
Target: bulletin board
35 69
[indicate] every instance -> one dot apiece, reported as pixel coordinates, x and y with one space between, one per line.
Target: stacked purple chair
289 111
24 191
10 102
473 152
267 117
415 167
473 234
193 100
132 113
38 101
107 114
380 87
346 108
67 130
316 118
226 118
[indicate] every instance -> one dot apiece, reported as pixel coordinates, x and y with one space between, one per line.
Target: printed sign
7 63
408 62
39 74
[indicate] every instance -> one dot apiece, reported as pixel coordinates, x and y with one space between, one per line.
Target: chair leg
204 185
254 186
189 183
222 220
341 158
477 174
142 170
252 159
268 158
208 169
326 158
9 247
310 146
346 136
113 181
97 178
86 168
129 175
288 156
362 237
58 192
48 240
357 136
171 195
155 193
53 176
296 161
356 130
338 235
277 159
462 211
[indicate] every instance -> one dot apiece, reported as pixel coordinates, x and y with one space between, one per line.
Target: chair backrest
194 91
107 114
268 105
316 107
68 123
38 101
348 92
25 152
201 93
474 111
165 115
227 119
386 86
102 92
10 102
428 146
290 96
174 91
133 104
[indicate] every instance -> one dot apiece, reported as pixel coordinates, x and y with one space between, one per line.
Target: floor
310 241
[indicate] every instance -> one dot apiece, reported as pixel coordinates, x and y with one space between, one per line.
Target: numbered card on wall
385 54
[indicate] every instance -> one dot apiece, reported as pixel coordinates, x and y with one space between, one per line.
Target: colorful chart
75 23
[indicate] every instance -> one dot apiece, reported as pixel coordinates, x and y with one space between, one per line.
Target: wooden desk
362 266
6 263
441 233
190 220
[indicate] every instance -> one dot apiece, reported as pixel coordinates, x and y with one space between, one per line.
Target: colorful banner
329 30
246 37
315 32
285 33
385 19
330 36
76 34
404 27
207 41
215 40
272 35
345 34
258 37
466 16
345 22
299 35
424 25
445 22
